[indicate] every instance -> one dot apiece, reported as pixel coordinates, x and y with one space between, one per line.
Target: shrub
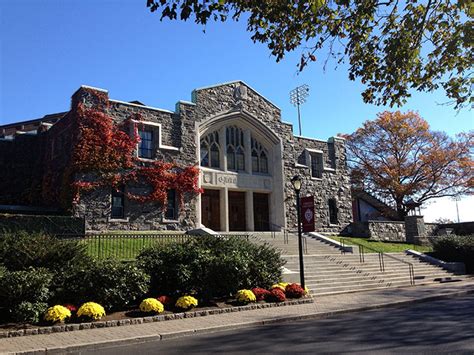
19 251
57 313
186 302
151 305
91 310
31 285
28 312
112 283
294 291
260 293
210 266
245 296
276 295
455 248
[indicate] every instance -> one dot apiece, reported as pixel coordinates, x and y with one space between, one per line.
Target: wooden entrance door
261 215
210 209
237 220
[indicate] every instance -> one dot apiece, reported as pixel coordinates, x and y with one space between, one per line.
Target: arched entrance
241 174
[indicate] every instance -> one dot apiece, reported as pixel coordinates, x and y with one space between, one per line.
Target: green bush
210 266
23 293
29 312
21 250
455 248
111 283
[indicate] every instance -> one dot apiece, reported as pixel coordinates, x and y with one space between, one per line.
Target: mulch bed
134 316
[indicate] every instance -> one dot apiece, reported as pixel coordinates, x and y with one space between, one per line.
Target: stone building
246 153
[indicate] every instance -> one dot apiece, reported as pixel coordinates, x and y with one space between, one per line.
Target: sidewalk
323 307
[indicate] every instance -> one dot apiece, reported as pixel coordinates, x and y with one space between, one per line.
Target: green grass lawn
385 247
126 247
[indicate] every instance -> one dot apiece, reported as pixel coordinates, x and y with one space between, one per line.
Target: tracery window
235 148
259 158
210 150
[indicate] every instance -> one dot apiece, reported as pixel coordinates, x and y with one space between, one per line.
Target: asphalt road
445 326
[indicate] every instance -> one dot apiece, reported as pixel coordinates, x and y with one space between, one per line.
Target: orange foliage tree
397 157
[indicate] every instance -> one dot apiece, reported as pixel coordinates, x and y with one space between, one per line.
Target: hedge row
38 270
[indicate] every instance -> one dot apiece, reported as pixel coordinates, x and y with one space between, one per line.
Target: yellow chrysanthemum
245 296
151 305
91 310
57 313
281 286
186 302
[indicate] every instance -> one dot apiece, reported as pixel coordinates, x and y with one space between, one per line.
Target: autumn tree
397 157
391 46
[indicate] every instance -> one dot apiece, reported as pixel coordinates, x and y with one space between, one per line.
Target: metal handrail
286 233
381 256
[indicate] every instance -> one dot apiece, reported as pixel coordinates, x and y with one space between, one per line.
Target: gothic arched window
210 150
259 158
235 148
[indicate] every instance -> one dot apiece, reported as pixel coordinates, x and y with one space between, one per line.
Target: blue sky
49 48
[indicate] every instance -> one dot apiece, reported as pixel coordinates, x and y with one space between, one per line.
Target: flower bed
133 316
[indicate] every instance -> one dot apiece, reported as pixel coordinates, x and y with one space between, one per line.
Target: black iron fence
128 246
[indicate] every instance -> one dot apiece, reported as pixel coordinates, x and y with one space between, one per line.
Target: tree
397 157
392 46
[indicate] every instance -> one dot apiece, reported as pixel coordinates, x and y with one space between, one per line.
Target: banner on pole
307 213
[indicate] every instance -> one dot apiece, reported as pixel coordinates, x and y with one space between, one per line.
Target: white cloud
445 207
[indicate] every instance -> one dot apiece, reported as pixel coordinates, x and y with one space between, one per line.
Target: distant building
366 207
246 153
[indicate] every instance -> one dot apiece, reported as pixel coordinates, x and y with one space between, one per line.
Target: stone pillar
223 149
415 231
249 210
224 204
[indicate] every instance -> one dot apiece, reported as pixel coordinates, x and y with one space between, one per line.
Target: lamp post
296 182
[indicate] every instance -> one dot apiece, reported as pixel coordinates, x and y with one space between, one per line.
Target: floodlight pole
298 97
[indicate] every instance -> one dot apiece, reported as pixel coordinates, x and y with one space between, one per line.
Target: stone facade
321 164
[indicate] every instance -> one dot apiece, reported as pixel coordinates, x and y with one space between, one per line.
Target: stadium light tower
298 97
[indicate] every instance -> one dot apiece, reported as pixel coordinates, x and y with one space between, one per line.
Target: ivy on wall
103 155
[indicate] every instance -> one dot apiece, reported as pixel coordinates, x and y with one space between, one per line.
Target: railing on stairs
381 256
286 234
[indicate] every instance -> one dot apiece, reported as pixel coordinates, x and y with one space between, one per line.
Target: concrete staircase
328 271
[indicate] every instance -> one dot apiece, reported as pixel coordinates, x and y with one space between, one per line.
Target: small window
255 165
333 211
240 159
259 157
171 205
118 202
145 148
230 158
317 165
210 150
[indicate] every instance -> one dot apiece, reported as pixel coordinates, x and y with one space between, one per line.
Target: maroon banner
307 213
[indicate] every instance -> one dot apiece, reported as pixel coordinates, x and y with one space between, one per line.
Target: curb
275 320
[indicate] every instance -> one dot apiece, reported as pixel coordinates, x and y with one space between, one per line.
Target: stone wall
57 225
220 100
390 231
177 131
334 183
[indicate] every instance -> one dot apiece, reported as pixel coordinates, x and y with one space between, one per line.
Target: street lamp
296 182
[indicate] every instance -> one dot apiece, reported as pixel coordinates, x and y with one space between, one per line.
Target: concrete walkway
324 306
